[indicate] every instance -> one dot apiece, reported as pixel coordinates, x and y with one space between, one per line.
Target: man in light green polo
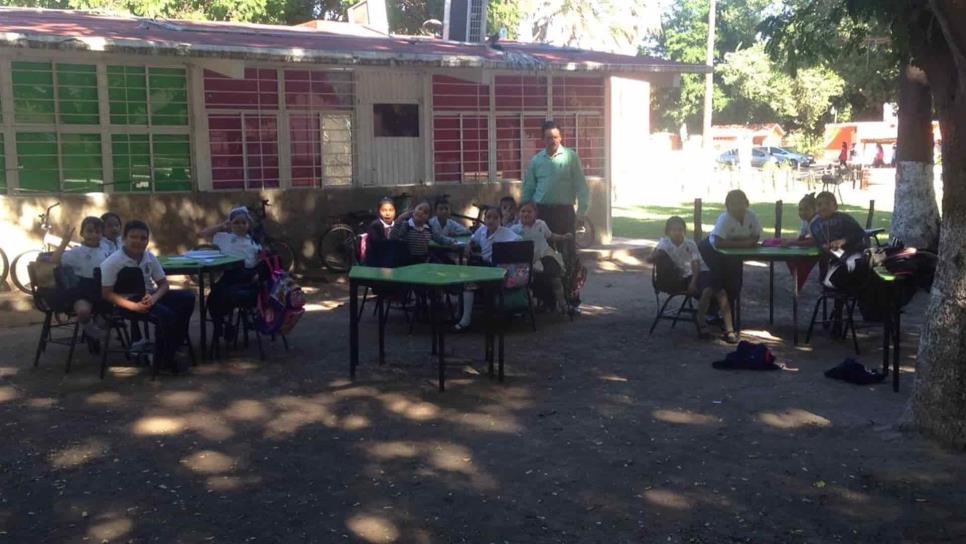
554 180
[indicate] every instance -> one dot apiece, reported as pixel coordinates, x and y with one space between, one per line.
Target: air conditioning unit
465 21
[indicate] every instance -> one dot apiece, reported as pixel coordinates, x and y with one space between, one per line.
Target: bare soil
600 433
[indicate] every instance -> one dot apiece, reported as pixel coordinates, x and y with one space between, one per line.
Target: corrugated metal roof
322 43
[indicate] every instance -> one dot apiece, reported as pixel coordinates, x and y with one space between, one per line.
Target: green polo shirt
556 180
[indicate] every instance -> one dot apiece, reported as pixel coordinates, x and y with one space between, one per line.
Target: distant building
725 137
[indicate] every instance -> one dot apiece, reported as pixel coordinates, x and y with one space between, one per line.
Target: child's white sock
467 316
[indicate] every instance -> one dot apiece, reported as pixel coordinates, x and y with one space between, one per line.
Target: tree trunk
915 217
939 401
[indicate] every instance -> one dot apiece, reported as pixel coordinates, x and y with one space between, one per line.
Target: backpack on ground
281 302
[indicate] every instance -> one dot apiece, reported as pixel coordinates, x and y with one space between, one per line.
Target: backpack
916 265
281 302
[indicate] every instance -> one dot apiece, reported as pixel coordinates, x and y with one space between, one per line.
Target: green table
178 265
434 277
771 255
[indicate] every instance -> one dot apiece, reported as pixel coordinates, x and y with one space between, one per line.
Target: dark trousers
235 288
171 316
561 218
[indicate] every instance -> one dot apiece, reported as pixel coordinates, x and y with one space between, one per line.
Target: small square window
395 120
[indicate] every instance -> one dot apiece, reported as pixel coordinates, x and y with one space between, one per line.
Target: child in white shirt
83 260
237 285
678 257
489 233
442 223
111 238
169 309
548 265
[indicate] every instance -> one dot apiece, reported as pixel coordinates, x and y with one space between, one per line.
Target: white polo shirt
149 265
84 259
238 246
111 245
682 255
481 238
728 228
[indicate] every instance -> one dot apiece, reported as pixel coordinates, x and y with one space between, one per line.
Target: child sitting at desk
111 237
508 211
170 310
413 228
83 260
839 235
382 226
806 212
679 265
548 264
737 227
489 233
236 285
442 223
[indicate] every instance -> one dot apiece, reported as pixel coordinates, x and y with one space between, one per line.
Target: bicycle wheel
585 235
4 268
18 270
337 248
285 254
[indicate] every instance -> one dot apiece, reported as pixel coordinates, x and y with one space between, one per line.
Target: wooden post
697 219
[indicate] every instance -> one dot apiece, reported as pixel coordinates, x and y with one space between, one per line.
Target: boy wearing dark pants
169 309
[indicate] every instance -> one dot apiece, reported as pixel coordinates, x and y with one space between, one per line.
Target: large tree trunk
915 217
939 402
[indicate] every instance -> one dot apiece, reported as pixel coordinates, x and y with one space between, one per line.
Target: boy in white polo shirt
170 310
83 260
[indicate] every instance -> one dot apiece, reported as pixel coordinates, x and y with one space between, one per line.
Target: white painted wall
389 161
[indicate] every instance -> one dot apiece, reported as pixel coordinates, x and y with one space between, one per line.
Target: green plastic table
177 265
434 277
771 255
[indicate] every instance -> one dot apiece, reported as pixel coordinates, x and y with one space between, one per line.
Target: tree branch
951 15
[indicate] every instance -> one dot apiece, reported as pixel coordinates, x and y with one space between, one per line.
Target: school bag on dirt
281 302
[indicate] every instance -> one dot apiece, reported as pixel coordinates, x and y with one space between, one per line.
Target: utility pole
708 79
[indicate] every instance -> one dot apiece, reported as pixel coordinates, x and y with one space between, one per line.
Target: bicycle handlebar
45 217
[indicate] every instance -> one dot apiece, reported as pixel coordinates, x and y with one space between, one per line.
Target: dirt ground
600 433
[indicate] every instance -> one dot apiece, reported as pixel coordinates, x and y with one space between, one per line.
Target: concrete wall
299 216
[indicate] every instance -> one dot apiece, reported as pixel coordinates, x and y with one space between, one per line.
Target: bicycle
337 246
584 232
274 245
4 269
18 269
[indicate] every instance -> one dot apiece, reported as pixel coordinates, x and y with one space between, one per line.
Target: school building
175 122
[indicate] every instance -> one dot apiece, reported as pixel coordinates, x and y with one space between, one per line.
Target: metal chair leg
677 316
44 337
659 314
811 324
70 350
105 347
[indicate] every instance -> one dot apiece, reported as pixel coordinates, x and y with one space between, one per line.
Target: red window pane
452 94
532 136
520 93
244 151
227 156
446 148
508 158
258 90
306 148
573 93
261 150
460 148
590 144
318 89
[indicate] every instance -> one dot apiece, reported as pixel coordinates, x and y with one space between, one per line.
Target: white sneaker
138 346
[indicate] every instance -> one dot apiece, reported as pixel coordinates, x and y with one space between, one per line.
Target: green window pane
3 167
77 94
37 161
169 96
33 92
172 162
132 162
81 162
127 95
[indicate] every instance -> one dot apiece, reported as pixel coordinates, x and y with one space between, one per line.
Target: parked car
790 156
759 157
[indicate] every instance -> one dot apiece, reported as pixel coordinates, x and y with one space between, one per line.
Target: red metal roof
321 43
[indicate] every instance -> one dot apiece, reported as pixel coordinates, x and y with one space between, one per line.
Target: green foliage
504 14
805 142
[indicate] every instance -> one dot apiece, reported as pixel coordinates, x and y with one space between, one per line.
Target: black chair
687 305
49 297
844 302
388 254
130 284
519 254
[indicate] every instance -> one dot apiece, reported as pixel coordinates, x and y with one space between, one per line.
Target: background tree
602 25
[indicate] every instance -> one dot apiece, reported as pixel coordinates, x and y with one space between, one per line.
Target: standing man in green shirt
554 180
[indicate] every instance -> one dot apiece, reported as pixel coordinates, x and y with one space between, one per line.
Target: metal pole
708 79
